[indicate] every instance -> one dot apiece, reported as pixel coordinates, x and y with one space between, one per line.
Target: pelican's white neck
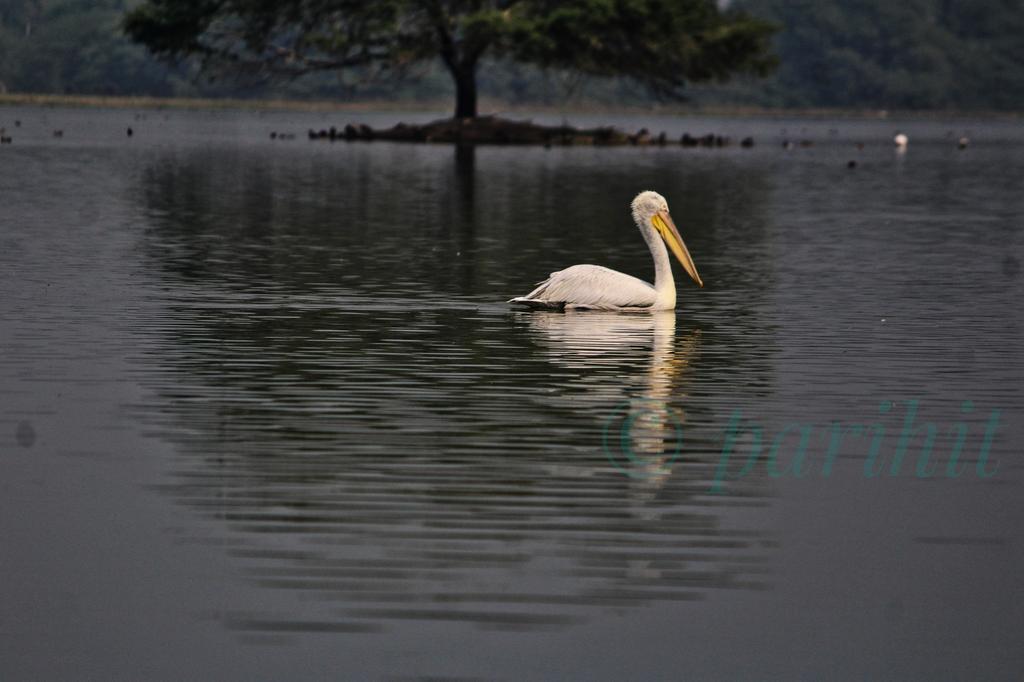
664 284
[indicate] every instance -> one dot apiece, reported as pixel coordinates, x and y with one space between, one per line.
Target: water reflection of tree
386 217
394 455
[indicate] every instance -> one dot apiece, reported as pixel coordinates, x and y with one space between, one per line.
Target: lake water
264 413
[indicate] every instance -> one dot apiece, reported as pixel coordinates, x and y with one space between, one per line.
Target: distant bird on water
900 140
598 288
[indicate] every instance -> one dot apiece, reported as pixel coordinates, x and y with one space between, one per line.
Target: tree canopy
662 44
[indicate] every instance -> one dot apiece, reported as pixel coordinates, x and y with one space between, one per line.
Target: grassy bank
486 106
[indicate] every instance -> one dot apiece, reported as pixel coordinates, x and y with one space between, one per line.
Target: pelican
599 288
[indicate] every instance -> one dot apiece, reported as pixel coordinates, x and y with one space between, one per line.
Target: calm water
264 413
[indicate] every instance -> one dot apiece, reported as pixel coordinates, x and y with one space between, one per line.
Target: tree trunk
465 91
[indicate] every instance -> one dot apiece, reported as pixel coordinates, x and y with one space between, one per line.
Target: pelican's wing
590 286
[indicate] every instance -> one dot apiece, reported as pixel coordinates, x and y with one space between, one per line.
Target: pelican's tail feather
536 298
538 303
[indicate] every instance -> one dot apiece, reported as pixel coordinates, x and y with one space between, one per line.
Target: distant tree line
76 46
845 53
895 53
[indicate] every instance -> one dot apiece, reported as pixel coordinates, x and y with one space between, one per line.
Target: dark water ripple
368 458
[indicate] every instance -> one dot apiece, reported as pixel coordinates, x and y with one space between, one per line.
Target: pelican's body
599 288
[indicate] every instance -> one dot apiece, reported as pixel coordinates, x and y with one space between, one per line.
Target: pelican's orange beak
667 229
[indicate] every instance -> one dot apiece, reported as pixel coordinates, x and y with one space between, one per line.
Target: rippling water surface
264 413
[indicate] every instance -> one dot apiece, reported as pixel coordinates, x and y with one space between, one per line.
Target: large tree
662 44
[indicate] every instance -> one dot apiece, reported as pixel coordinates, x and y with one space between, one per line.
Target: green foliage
75 46
845 53
662 44
907 54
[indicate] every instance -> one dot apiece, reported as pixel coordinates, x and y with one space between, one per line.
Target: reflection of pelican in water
629 378
600 288
641 429
641 433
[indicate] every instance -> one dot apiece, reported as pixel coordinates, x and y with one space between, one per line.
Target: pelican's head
650 210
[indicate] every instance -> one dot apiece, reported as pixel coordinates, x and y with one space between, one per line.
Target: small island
499 131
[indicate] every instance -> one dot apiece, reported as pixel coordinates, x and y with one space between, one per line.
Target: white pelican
599 288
